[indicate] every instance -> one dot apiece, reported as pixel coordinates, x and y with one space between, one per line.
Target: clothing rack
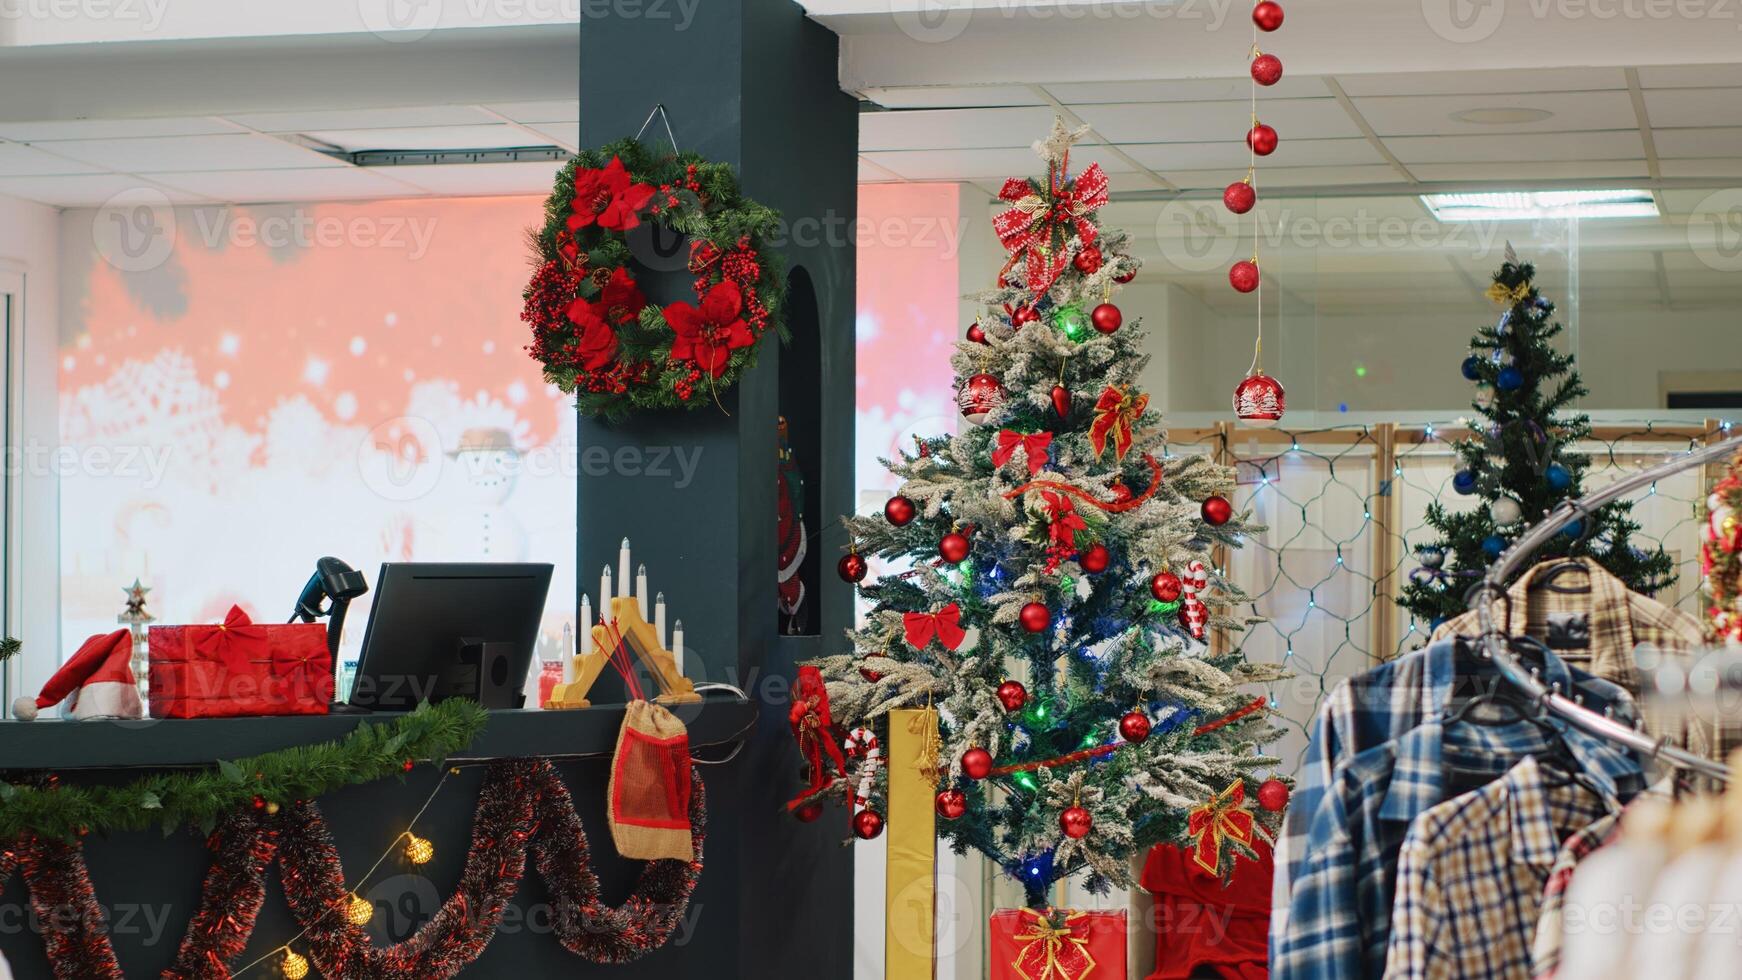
1495 645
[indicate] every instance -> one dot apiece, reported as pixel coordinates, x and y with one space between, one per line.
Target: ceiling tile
425 138
23 161
1186 90
71 129
1484 82
273 186
994 164
82 191
1690 76
953 96
1150 122
477 179
952 129
1694 107
560 133
1721 167
186 153
302 121
1294 177
1523 170
1233 156
1698 143
1620 145
555 111
1418 115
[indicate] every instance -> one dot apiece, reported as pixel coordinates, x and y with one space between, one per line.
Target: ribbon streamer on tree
1118 506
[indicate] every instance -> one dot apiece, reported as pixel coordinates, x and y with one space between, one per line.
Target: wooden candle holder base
674 687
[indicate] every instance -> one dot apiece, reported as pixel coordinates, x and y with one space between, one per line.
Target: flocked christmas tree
1061 596
1519 460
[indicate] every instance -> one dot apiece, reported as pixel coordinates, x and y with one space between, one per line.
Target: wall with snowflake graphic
299 380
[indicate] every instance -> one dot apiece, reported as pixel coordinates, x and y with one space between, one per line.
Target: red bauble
1259 400
1094 561
977 763
1088 260
1134 727
899 510
1239 197
1035 617
1106 317
1076 822
852 567
867 824
1243 276
951 804
1061 400
1216 511
976 333
1012 695
1267 69
1262 139
1273 795
1267 15
1121 492
954 547
1027 314
980 395
871 675
1125 277
809 812
1166 586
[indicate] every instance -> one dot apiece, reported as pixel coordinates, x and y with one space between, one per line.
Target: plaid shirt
1374 707
1340 909
1545 952
1470 876
1619 621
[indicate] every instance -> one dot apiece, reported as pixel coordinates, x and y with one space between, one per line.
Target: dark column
752 83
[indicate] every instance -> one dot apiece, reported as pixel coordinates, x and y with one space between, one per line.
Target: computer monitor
440 630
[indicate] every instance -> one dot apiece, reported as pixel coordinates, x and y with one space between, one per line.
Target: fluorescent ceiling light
1530 205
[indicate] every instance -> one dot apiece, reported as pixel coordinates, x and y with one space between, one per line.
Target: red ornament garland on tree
593 329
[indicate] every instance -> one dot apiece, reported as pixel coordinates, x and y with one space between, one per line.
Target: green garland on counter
49 808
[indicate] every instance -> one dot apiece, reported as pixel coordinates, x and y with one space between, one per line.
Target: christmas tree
1519 460
1061 595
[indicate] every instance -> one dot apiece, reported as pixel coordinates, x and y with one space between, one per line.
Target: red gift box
239 668
1068 945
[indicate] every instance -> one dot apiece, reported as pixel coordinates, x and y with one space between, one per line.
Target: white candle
641 590
586 625
659 618
677 645
623 570
605 593
568 650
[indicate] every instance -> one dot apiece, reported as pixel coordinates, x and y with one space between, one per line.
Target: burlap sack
649 808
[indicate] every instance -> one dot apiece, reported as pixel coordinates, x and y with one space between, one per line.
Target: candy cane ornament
862 742
1192 611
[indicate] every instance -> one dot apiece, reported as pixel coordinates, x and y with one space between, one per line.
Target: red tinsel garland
1110 506
522 806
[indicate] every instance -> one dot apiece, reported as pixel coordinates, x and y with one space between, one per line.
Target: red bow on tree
1028 227
1065 521
945 624
1033 445
815 731
1224 817
1115 412
237 642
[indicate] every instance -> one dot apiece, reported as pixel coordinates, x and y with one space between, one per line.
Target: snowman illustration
479 527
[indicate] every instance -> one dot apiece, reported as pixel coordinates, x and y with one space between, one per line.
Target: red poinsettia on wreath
596 346
608 197
620 297
707 336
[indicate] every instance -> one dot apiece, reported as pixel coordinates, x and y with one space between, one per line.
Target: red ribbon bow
814 729
945 624
1115 412
1224 817
1028 227
1065 521
237 641
1034 445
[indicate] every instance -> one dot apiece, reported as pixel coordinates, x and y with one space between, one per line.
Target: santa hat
99 677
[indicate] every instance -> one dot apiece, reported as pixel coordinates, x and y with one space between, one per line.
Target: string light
294 965
418 850
359 910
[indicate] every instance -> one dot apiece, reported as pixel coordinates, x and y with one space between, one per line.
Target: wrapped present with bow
239 667
1063 944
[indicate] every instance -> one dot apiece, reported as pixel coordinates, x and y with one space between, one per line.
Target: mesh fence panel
1345 510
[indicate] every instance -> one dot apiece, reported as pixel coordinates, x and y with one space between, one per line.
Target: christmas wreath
592 327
